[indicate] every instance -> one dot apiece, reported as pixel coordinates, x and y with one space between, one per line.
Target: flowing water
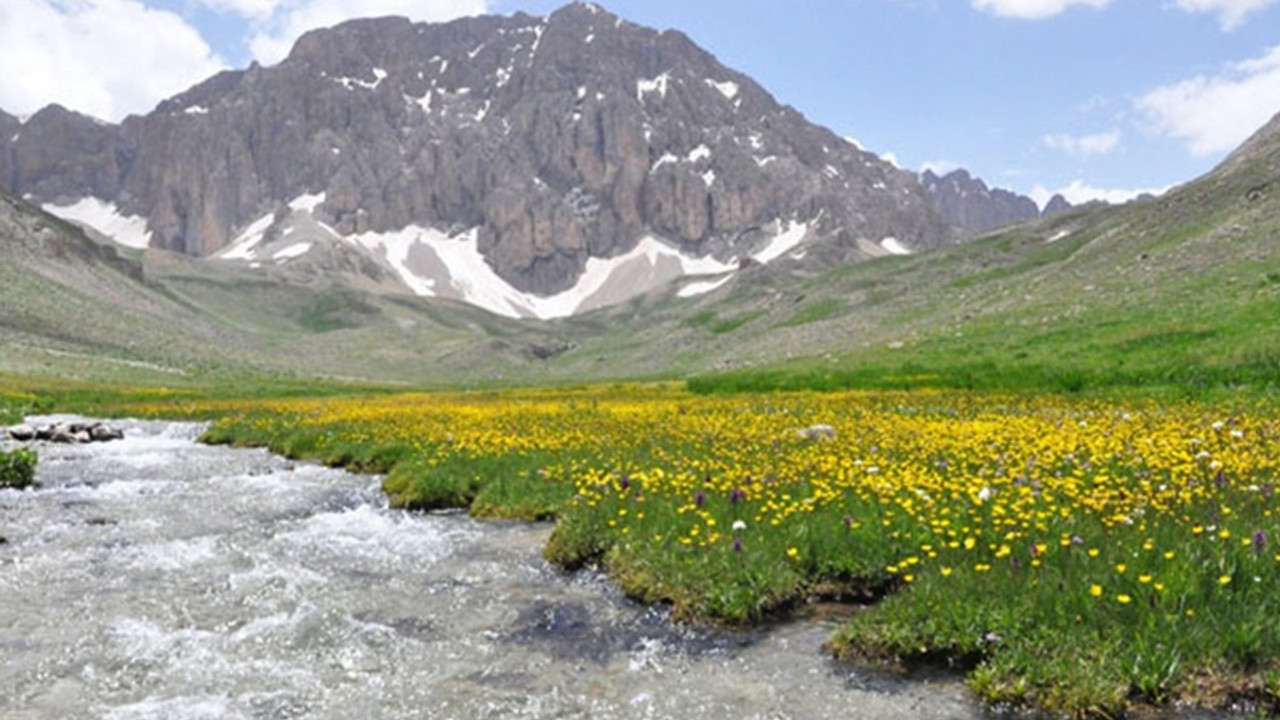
154 577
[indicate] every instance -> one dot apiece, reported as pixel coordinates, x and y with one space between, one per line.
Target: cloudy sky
1095 98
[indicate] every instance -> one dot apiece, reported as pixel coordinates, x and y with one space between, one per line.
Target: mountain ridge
972 208
553 141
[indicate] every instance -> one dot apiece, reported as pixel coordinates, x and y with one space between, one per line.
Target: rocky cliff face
554 140
971 208
59 155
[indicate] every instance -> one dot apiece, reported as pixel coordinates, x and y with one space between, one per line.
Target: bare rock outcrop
560 139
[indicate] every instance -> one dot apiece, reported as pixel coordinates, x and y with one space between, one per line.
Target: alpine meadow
575 272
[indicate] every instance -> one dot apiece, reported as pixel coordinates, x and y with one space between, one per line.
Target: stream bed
157 578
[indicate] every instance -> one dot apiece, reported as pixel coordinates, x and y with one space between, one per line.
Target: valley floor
1081 556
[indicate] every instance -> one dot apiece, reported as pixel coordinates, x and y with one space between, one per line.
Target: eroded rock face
560 138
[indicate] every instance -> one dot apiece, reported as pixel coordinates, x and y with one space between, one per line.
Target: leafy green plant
17 468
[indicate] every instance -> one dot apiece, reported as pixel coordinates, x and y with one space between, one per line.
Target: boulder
22 433
817 432
101 432
61 434
74 432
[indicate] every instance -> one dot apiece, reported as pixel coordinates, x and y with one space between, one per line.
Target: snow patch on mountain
666 159
432 263
291 252
352 83
786 240
243 245
104 217
728 89
894 247
656 85
308 203
702 152
702 287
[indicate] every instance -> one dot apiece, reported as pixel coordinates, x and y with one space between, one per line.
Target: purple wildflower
1259 541
700 498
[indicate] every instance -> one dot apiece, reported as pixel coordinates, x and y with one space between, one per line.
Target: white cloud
247 8
939 167
1231 13
1216 114
1083 145
1078 193
1033 9
105 58
275 32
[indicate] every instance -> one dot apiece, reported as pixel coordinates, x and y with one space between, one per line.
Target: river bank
154 577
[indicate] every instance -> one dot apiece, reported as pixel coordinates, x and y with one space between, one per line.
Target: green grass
17 468
14 406
1140 350
814 312
333 310
1163 630
728 325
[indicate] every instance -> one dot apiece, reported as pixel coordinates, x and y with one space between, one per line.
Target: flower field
1077 556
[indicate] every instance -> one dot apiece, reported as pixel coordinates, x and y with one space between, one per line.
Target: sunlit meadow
1078 556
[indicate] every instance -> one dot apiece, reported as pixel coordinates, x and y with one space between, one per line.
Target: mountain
972 209
536 167
1182 289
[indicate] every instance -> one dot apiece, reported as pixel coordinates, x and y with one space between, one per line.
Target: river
158 578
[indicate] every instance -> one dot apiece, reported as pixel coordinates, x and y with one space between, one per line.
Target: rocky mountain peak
1056 205
971 207
553 149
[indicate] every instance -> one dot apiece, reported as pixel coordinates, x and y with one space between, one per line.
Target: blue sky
1098 98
